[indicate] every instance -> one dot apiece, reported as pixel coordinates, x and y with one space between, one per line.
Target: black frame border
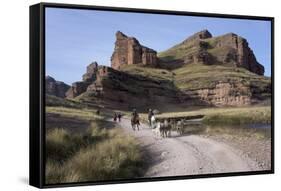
37 93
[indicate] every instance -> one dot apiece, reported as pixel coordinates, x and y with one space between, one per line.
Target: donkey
165 129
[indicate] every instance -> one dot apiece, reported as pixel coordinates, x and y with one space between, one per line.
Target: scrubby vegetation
100 152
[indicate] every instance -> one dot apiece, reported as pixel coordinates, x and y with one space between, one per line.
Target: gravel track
188 154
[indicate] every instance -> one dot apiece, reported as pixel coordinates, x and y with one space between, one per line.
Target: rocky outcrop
237 51
90 75
55 88
121 89
80 87
90 80
126 87
129 51
229 50
76 89
226 94
204 34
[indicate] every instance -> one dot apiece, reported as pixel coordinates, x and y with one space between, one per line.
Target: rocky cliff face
237 51
91 80
122 89
135 87
129 51
202 47
216 71
224 94
79 87
55 88
90 74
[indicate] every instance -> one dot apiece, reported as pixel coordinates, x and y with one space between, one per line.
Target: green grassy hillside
178 52
199 76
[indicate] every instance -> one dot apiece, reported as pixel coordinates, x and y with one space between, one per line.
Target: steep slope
220 85
131 87
228 50
129 51
220 71
202 70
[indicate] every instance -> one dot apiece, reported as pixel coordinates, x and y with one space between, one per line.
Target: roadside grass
241 115
115 158
238 132
97 151
98 154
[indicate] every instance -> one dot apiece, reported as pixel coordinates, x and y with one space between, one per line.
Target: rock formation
78 88
129 51
229 49
90 80
55 88
90 75
204 34
114 87
196 84
238 52
227 94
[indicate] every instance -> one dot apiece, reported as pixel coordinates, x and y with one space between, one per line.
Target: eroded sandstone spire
129 51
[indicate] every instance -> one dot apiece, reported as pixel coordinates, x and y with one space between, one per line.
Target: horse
166 129
135 122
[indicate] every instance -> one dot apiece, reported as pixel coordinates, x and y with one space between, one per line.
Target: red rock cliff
129 51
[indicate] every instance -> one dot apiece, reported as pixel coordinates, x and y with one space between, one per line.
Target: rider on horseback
135 120
134 114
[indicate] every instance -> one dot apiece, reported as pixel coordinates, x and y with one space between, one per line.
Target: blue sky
75 38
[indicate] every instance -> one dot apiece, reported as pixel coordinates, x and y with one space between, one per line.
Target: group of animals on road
160 127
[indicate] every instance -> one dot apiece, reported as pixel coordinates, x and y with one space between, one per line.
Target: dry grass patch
98 154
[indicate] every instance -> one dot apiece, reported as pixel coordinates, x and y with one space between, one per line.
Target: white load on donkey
162 129
159 128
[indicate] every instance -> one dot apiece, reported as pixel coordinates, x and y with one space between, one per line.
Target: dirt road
187 155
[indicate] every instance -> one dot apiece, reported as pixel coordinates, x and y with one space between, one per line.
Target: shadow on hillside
142 92
169 63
